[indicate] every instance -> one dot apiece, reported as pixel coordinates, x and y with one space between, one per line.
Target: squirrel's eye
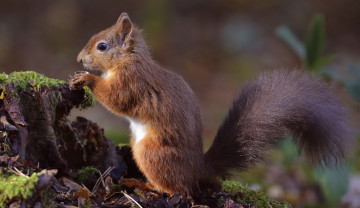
102 46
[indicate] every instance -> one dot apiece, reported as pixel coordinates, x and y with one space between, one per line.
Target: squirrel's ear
122 15
124 26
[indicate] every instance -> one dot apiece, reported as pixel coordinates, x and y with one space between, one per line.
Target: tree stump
34 125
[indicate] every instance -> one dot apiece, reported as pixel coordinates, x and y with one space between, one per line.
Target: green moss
14 186
85 173
27 79
3 77
89 99
233 187
245 196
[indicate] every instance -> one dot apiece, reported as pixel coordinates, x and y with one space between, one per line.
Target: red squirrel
165 118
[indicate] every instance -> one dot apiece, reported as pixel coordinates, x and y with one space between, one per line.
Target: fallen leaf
51 172
2 95
70 184
83 197
14 159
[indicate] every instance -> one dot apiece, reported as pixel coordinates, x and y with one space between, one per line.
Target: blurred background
216 46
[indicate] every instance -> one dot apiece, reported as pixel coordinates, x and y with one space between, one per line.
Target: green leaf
321 62
285 34
314 43
333 182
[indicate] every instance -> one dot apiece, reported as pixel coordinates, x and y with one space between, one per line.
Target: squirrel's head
108 48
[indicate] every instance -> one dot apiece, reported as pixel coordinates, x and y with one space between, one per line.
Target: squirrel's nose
81 55
79 58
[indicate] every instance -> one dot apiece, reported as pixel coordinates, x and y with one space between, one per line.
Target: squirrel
165 121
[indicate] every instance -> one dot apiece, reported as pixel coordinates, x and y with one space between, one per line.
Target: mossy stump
34 124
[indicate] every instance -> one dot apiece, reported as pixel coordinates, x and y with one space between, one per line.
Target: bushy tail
273 105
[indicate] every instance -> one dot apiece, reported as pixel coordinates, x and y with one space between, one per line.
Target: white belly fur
106 75
137 129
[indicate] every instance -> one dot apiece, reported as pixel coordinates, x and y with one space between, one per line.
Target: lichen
85 173
16 187
250 197
27 79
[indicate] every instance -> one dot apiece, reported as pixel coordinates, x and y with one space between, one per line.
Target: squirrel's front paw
77 80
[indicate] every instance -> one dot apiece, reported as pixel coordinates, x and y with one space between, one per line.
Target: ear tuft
122 16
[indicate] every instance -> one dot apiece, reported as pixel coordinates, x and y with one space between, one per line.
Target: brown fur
171 155
273 105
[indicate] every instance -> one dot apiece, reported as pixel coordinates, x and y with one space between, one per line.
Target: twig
133 201
101 178
18 172
111 195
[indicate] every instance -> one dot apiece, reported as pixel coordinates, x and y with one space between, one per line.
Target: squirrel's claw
76 80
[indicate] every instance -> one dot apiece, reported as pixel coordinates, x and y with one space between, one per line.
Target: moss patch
249 197
27 79
12 187
89 99
84 174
